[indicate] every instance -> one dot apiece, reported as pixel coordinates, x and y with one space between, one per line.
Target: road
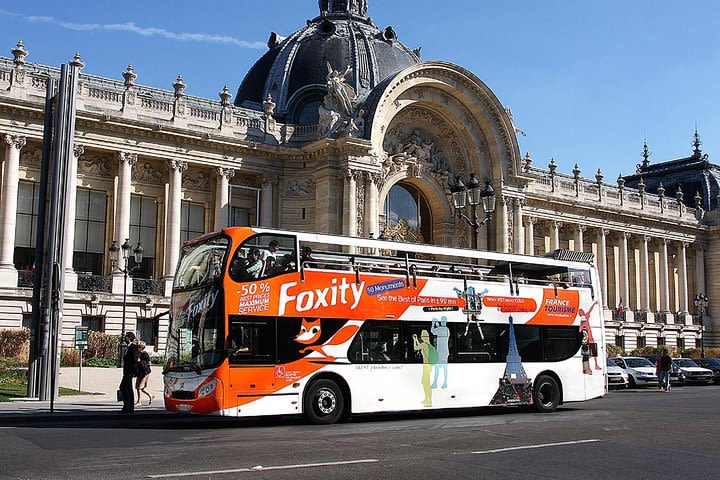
628 434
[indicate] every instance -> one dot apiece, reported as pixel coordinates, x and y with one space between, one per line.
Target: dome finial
350 7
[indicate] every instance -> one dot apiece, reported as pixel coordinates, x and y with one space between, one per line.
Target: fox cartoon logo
309 333
309 336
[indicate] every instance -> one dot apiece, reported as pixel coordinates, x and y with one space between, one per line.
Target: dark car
711 364
693 373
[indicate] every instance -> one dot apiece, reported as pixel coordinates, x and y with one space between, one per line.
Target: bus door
590 348
251 355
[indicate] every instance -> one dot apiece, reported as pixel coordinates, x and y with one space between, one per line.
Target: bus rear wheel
546 394
324 402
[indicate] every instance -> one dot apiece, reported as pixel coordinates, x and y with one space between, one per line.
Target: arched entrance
406 215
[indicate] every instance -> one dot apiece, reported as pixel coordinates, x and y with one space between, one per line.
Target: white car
640 371
617 378
692 372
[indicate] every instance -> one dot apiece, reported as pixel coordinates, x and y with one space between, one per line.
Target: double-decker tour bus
268 322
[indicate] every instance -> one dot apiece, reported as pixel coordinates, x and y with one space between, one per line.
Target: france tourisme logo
385 287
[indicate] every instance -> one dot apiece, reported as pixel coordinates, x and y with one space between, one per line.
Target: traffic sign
81 338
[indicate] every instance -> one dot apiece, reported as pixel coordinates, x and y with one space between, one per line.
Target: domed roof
294 69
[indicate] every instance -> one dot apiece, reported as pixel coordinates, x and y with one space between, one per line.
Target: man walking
130 361
665 367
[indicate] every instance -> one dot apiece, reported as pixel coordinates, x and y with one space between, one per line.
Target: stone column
555 235
530 235
502 223
70 214
172 229
371 204
266 200
682 279
644 275
602 264
518 230
664 278
8 209
122 214
624 270
579 238
700 269
350 208
222 198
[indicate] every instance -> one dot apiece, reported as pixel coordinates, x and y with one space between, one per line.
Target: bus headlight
208 388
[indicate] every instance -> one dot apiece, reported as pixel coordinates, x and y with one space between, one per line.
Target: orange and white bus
262 325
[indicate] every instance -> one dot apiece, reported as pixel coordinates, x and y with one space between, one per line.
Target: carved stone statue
512 122
338 113
342 94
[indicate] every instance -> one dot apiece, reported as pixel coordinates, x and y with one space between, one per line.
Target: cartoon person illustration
430 358
442 333
587 349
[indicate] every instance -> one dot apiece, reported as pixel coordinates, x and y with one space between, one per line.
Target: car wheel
324 402
631 382
546 394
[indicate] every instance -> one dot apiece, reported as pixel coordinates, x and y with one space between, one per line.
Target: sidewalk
101 382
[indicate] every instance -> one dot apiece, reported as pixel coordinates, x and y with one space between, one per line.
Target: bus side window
377 342
251 340
476 342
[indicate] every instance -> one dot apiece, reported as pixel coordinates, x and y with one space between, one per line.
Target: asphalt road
629 434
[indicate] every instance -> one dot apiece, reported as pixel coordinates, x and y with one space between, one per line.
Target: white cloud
131 27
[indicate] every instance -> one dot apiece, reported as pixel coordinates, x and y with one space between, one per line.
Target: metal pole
702 332
38 336
80 372
122 333
52 235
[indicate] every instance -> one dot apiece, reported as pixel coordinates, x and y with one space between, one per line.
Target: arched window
407 215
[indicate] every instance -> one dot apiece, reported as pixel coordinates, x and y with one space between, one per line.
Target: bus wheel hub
326 401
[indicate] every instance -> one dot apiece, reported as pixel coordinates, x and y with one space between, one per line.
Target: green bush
100 362
102 345
157 360
694 353
613 350
69 357
15 344
654 350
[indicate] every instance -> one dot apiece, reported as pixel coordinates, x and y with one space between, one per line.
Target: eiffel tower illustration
515 386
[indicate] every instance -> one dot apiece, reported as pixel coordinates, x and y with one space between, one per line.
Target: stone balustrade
610 196
109 95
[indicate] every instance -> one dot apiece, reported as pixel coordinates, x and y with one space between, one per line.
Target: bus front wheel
324 402
546 394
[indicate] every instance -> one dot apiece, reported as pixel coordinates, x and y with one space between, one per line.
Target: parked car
617 378
693 373
711 364
640 371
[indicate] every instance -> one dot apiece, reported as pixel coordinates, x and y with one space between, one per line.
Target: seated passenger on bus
271 268
306 257
254 266
271 251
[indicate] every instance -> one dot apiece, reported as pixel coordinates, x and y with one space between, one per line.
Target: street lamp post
701 304
115 264
471 194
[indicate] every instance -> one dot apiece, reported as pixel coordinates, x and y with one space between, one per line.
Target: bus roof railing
424 249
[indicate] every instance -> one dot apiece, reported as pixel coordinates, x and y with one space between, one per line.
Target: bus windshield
201 263
196 339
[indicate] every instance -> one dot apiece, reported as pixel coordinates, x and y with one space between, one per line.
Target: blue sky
587 80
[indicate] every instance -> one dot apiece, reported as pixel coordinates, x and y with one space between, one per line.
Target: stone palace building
338 128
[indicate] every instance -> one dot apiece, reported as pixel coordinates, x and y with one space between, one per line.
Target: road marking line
542 445
261 468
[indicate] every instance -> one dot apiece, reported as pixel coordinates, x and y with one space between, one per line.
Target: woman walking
143 374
